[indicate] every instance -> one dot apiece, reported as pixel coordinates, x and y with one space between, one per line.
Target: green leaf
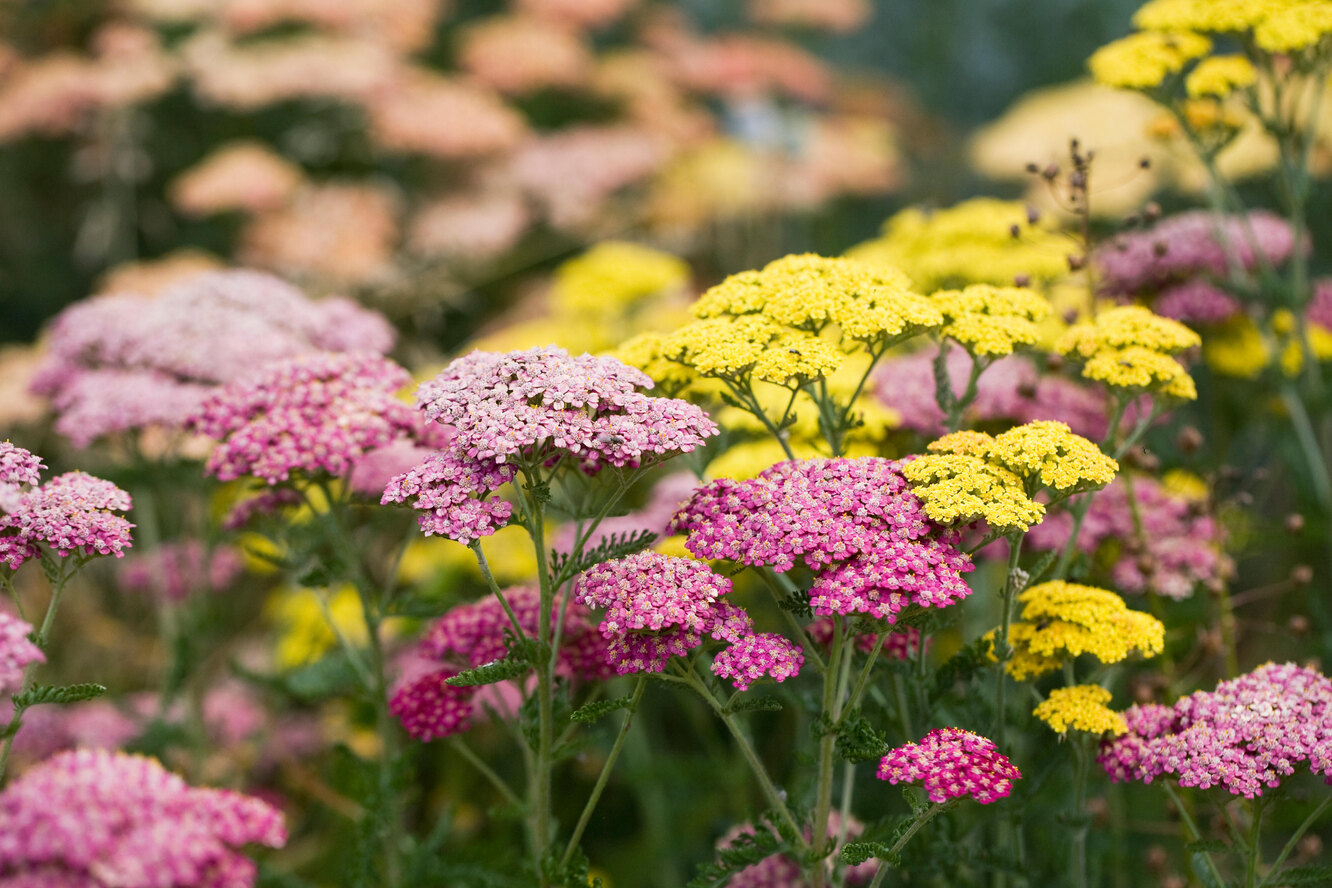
1203 871
916 798
744 851
1207 846
489 673
617 545
589 713
329 676
1312 874
797 603
754 704
943 383
40 694
856 853
857 741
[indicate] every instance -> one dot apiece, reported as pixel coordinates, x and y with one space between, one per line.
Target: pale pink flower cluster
659 606
1190 244
952 763
781 871
16 652
454 493
520 54
739 65
92 724
443 117
1248 734
406 25
73 512
901 644
470 226
245 176
1167 543
577 13
176 570
1196 301
1010 389
764 655
124 361
17 467
315 414
98 818
853 521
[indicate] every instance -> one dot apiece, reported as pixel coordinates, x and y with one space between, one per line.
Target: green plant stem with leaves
921 819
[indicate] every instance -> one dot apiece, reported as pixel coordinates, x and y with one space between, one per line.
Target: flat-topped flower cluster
952 763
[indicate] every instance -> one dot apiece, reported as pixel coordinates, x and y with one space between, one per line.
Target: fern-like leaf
39 694
617 545
490 673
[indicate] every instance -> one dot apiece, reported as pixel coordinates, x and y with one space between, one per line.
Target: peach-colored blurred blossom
131 66
739 65
425 113
640 82
831 15
578 13
571 173
470 226
405 25
18 405
151 276
341 233
243 175
518 54
259 73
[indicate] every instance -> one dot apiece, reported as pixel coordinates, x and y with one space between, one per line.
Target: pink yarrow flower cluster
471 635
853 521
952 763
98 818
765 655
73 512
16 652
658 606
317 413
1246 735
533 408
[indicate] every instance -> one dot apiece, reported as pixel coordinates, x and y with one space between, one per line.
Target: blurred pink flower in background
830 15
470 225
244 175
421 112
520 53
342 233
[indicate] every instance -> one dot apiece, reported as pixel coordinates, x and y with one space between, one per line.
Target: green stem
811 649
1254 851
604 776
495 780
911 830
1002 650
1078 815
750 402
481 562
540 822
835 680
1294 840
1308 441
1195 835
863 679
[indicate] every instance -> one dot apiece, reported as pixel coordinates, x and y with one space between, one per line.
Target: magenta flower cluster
175 570
659 606
313 413
534 407
1248 734
471 635
952 763
16 652
94 818
854 521
73 512
125 361
1177 546
765 655
1189 245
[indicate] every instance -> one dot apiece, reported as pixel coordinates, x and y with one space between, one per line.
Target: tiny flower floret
951 763
756 656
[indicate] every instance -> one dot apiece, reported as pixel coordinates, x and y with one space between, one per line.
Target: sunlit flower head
1080 708
952 763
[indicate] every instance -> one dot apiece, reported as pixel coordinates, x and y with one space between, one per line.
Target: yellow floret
1217 16
645 352
725 347
1220 75
958 488
989 320
304 633
968 442
1145 59
1130 347
1082 708
1047 451
1062 620
1136 367
1298 26
796 359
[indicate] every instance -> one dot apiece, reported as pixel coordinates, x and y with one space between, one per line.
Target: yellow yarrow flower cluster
1131 348
615 276
991 321
1219 76
970 243
1295 27
1047 452
1082 708
958 488
1281 26
1062 620
1144 60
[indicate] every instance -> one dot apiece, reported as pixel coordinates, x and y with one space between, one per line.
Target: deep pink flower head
16 652
854 521
951 763
1246 735
753 657
313 413
454 492
125 361
73 512
97 818
175 570
430 708
658 606
1191 244
781 871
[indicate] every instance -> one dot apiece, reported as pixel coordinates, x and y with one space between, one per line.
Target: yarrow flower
1248 734
73 512
16 652
1062 620
100 818
1277 26
1131 350
853 521
990 321
315 414
1081 708
952 763
1145 59
753 657
659 606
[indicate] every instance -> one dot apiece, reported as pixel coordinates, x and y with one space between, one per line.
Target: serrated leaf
916 798
858 741
1311 874
1043 564
589 713
943 383
797 603
489 673
1207 846
754 704
330 676
617 545
856 853
44 694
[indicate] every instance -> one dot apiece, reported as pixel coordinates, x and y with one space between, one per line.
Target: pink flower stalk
73 512
753 657
314 413
98 818
16 652
901 644
175 570
781 871
1010 389
853 521
534 407
659 606
1191 244
951 763
1246 735
125 361
1178 547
